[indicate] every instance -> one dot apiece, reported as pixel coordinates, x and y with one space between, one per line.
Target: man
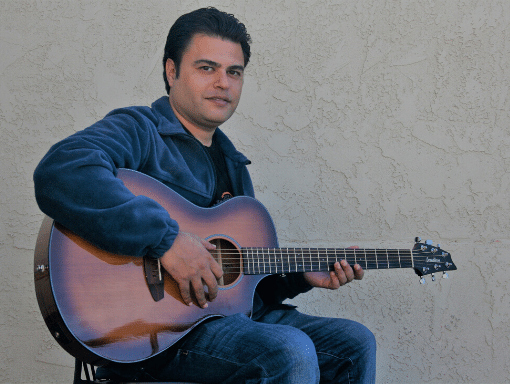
178 142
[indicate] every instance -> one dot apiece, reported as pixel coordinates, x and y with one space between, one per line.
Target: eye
206 68
234 72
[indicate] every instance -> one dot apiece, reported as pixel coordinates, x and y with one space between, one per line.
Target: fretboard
287 260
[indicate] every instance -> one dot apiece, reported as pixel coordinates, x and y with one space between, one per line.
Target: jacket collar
170 125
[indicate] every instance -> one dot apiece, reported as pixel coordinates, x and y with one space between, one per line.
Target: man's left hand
342 275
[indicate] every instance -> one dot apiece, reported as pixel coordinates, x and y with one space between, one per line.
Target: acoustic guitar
104 307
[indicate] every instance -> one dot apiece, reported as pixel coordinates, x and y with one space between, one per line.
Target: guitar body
98 305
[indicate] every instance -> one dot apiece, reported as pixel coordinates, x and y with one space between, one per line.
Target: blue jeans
283 346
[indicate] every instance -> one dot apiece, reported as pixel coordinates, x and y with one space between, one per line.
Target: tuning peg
422 280
445 275
438 245
428 242
433 277
417 239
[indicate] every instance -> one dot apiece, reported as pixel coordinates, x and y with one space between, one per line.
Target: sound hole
229 258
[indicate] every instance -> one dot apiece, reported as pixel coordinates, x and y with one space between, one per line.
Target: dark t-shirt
223 186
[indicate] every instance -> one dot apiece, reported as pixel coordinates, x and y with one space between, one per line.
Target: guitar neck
288 260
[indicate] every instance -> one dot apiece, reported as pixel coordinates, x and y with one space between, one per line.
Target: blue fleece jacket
76 184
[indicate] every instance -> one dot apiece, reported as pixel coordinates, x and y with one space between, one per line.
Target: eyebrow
217 65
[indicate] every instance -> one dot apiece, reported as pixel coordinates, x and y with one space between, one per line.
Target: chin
218 120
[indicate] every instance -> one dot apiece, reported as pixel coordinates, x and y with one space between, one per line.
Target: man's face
210 81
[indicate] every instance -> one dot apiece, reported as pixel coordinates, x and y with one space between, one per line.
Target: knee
293 356
367 344
364 356
298 349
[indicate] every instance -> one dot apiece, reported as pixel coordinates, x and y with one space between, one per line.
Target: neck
205 137
285 260
202 134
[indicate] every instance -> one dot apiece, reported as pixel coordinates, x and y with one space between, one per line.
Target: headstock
429 259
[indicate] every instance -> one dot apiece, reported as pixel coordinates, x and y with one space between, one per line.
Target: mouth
219 99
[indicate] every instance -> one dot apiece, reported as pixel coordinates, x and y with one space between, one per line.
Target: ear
170 71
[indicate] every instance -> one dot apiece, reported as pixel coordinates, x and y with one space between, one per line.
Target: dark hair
208 21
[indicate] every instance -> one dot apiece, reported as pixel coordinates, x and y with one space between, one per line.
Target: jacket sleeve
75 184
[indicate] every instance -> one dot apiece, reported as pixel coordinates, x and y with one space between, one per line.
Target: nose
222 80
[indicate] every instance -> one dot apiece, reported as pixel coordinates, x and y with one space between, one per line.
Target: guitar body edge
46 300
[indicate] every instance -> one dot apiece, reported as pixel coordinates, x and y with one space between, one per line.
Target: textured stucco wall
368 123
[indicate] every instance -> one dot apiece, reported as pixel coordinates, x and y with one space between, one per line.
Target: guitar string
339 255
368 258
307 255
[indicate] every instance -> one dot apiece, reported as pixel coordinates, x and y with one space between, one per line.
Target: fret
382 259
393 258
350 255
303 267
345 254
325 265
258 262
316 263
362 261
246 254
371 259
267 262
276 260
272 258
248 260
246 257
251 264
254 254
406 259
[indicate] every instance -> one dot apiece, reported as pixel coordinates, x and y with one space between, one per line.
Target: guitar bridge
154 277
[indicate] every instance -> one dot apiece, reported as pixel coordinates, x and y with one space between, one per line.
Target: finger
184 289
349 273
216 269
340 273
199 291
334 283
212 287
358 272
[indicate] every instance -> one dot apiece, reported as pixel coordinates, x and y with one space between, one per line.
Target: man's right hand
191 265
